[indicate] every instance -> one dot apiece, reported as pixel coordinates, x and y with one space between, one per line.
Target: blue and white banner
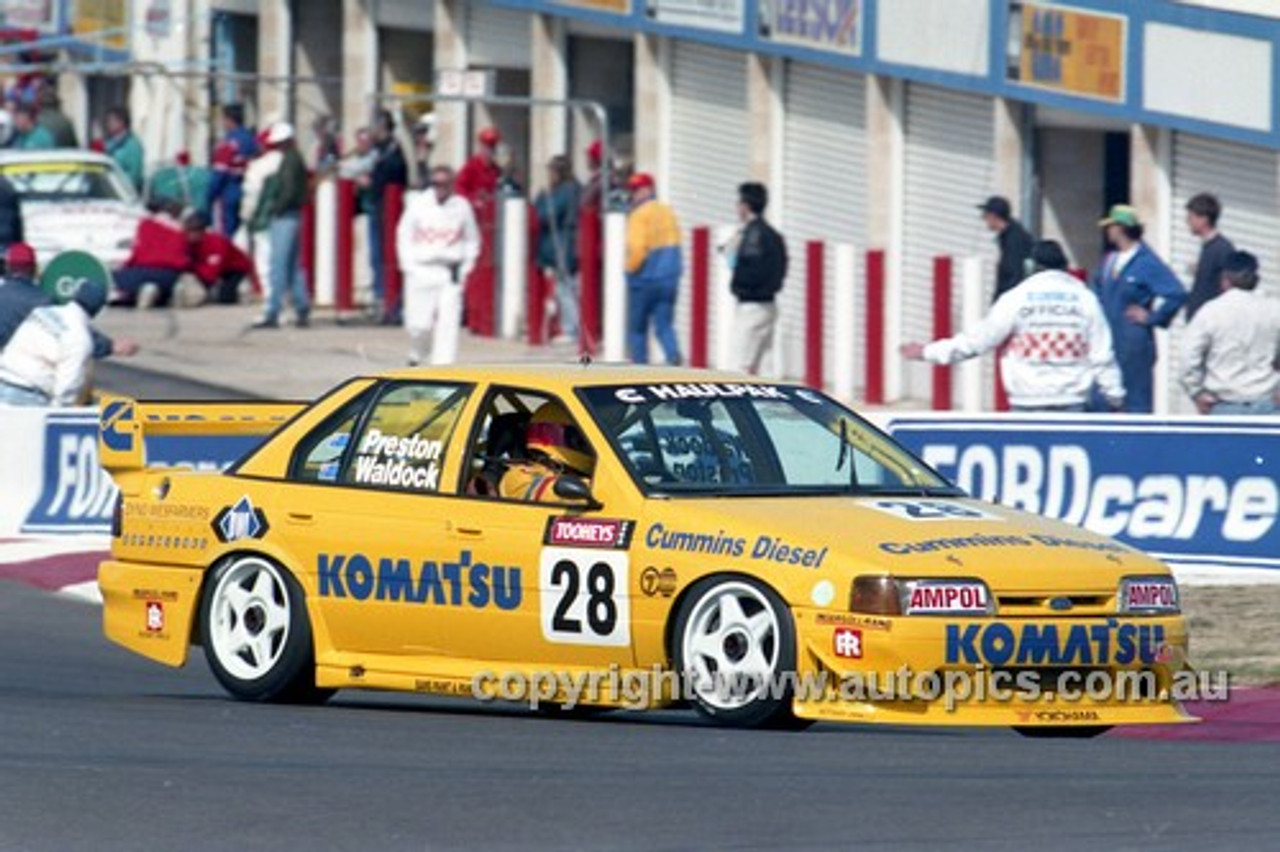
1191 491
53 483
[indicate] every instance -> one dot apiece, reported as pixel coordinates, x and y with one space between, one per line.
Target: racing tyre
1072 732
256 633
734 644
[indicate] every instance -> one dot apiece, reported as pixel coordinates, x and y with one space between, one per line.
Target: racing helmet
553 433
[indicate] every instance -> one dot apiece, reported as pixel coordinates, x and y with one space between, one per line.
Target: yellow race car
601 536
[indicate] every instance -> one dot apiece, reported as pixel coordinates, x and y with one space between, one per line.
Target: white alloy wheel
731 646
250 616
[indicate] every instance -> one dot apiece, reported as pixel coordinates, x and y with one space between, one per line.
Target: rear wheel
734 645
256 633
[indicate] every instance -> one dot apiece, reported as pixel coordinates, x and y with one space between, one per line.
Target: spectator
230 158
54 120
30 135
1014 241
388 169
424 143
46 361
1231 351
285 200
479 177
358 165
328 149
437 242
1059 340
557 210
653 271
254 205
10 214
122 144
20 295
1139 293
6 128
758 256
220 265
181 182
1203 211
160 255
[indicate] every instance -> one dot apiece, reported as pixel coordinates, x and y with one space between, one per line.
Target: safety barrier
1195 492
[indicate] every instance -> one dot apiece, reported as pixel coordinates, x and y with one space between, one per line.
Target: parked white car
74 199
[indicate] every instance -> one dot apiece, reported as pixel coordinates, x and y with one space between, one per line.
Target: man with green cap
1139 293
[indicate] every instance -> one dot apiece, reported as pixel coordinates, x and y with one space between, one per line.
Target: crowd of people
1066 344
1070 344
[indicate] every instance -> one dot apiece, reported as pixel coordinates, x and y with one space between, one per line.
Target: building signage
29 14
1072 51
833 25
616 7
726 16
104 22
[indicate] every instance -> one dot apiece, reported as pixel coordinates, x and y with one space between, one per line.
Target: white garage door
498 38
709 150
825 178
1244 180
949 170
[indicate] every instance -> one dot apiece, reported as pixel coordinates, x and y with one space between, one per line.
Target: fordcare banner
1192 491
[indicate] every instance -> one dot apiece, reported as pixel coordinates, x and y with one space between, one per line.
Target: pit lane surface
101 750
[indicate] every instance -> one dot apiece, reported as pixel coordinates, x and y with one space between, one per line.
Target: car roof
54 155
572 374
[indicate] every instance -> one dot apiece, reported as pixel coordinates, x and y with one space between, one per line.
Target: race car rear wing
126 424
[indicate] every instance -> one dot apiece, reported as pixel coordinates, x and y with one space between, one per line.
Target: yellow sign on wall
1072 51
617 7
103 22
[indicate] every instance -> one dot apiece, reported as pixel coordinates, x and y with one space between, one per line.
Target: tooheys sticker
603 533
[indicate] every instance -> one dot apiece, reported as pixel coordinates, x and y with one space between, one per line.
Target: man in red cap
654 265
479 177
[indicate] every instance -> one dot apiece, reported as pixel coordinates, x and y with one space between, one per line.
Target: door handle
469 532
300 517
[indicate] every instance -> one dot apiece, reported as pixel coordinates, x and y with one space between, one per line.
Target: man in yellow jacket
653 271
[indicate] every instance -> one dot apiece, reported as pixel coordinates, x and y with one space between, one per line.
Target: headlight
885 595
1148 596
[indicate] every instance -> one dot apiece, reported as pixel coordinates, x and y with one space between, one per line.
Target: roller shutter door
825 192
1244 180
498 38
709 151
949 170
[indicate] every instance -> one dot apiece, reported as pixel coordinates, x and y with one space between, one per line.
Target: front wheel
256 633
735 646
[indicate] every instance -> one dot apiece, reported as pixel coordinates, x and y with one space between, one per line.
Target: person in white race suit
437 243
1059 342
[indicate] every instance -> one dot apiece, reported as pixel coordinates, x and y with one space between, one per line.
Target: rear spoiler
125 425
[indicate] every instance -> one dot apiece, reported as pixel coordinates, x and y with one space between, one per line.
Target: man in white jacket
1059 340
47 361
437 243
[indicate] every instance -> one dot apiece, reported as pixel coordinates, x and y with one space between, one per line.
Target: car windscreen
744 439
67 181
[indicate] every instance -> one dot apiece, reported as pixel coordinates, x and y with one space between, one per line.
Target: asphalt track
102 750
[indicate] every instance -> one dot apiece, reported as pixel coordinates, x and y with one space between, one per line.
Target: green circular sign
63 275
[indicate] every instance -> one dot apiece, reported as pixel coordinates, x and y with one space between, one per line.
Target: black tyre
734 643
1066 732
256 633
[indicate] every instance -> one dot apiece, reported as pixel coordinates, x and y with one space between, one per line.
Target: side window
501 442
318 457
403 441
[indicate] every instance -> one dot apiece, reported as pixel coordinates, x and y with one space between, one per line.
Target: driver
556 447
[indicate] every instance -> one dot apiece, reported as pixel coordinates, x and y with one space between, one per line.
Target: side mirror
574 489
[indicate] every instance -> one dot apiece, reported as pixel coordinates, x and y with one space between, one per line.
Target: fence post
344 297
845 303
325 230
723 303
307 246
515 275
875 328
941 329
589 279
615 286
535 283
814 256
699 317
971 314
393 284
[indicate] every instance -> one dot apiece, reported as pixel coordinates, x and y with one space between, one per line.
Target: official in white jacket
47 361
437 243
1059 342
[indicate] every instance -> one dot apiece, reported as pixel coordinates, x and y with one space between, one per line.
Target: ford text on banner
1190 491
58 485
